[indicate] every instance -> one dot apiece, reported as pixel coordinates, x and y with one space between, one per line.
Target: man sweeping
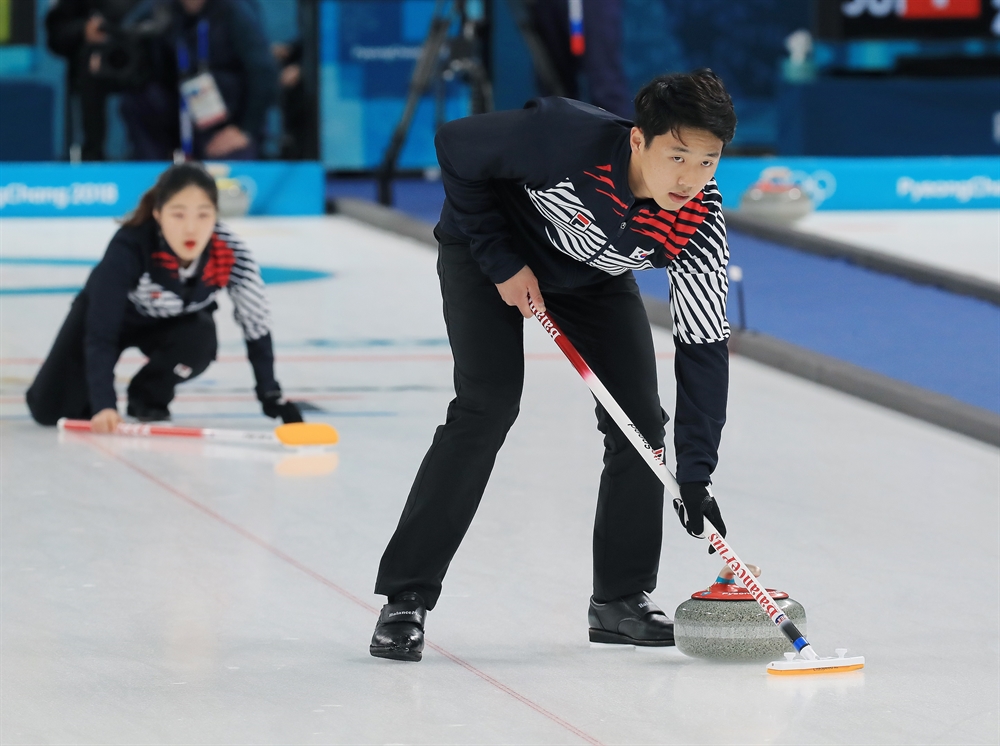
557 203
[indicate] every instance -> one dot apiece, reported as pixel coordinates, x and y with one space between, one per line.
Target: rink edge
921 274
930 406
386 218
938 409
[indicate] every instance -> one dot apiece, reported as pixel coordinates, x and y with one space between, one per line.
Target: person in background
293 98
587 38
155 289
214 67
74 28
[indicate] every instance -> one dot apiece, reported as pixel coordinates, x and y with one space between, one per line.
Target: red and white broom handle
739 568
143 430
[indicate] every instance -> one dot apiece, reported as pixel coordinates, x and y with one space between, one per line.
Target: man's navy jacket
547 187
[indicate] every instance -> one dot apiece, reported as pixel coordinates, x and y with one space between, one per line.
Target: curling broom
293 435
806 661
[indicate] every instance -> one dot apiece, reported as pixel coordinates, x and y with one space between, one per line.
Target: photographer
212 81
78 30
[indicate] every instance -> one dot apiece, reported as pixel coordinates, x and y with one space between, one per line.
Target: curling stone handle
726 574
743 573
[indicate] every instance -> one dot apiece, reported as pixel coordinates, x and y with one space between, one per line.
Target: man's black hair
698 100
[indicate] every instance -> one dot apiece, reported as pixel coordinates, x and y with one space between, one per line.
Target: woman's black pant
607 323
178 349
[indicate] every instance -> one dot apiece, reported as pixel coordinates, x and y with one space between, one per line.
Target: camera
123 62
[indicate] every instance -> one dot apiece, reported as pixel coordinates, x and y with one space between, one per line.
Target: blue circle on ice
270 274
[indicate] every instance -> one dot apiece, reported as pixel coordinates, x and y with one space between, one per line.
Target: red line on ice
333 586
423 358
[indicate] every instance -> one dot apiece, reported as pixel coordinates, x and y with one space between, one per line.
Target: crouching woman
155 289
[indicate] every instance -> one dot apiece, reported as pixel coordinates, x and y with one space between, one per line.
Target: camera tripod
442 58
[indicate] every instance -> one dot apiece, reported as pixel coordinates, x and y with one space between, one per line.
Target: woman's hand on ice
105 421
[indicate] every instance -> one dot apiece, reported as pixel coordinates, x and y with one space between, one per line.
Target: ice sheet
963 241
177 592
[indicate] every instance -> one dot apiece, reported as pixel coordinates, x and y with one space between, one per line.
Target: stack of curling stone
235 194
776 197
724 622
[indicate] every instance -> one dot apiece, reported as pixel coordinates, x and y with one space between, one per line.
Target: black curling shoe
632 620
399 632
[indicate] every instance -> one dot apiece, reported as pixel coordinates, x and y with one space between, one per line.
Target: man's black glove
275 405
696 504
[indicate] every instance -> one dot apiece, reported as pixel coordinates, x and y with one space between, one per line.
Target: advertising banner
872 183
113 189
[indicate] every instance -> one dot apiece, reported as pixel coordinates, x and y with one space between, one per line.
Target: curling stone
235 194
234 198
776 197
724 622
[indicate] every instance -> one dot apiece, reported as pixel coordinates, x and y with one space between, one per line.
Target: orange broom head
297 434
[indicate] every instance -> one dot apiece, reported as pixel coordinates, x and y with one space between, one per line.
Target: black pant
93 105
602 62
608 324
174 347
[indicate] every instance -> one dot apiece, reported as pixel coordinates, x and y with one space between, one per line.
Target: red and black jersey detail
606 179
220 263
620 207
672 230
167 260
158 292
137 285
517 184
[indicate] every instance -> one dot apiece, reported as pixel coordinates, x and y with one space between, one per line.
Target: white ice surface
174 592
962 241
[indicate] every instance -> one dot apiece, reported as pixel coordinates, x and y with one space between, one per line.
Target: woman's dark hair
173 180
698 100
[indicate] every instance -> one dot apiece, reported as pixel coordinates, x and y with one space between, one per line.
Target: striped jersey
139 283
547 186
225 263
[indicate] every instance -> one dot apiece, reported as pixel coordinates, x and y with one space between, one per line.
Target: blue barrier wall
889 116
875 183
742 41
922 335
43 126
834 183
103 190
29 135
